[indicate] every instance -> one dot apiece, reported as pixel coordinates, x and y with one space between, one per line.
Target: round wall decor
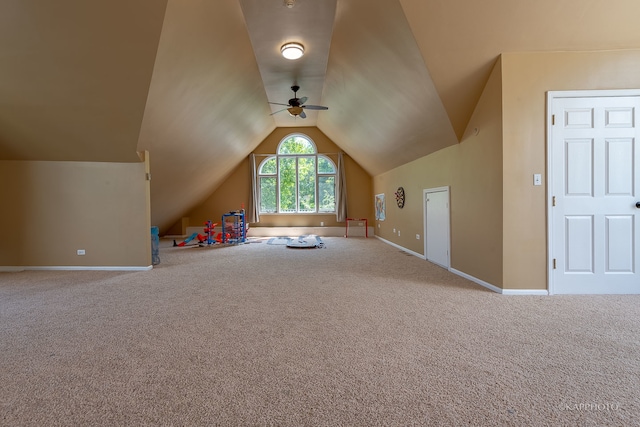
400 197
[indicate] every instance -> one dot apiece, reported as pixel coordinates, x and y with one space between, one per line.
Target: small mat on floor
279 241
306 242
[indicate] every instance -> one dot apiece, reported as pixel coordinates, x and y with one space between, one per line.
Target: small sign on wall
380 207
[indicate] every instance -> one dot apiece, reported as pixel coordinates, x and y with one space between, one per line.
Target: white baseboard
14 269
480 282
497 289
409 251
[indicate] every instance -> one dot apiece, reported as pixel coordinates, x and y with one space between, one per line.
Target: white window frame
276 175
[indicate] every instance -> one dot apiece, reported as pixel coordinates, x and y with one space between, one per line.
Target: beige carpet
355 334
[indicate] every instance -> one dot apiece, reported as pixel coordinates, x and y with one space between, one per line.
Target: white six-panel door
594 186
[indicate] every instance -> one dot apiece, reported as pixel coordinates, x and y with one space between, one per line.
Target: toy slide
200 237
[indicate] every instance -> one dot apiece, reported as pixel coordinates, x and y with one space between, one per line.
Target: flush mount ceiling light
289 3
292 50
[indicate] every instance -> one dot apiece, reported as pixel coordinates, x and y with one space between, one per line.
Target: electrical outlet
394 231
417 237
81 252
398 232
321 223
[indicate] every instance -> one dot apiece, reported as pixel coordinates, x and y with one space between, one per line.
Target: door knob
638 205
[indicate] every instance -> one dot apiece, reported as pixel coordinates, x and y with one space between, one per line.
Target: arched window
297 179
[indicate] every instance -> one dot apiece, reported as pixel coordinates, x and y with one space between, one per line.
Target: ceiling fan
296 106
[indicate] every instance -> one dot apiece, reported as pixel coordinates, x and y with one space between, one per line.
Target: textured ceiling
191 80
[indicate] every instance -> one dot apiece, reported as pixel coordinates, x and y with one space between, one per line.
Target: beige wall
52 209
472 170
234 192
526 79
498 218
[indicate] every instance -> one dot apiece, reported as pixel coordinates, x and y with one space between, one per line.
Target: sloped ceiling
74 77
384 109
460 39
207 108
191 80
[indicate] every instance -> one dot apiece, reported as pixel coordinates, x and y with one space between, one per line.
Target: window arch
297 179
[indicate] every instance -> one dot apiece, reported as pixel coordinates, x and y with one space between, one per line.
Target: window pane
325 165
327 190
307 184
268 194
268 167
287 184
296 145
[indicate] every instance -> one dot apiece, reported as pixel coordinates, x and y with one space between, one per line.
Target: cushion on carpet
311 241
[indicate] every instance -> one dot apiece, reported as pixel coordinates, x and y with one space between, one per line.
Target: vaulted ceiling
191 80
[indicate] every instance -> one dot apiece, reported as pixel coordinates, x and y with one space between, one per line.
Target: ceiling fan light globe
292 51
295 111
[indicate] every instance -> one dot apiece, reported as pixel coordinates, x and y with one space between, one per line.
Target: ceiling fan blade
296 106
315 107
279 111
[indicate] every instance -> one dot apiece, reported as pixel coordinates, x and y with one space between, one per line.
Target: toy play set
234 231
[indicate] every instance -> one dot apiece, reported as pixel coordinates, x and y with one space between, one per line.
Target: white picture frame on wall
380 207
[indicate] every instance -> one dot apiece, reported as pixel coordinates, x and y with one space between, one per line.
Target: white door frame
424 215
551 96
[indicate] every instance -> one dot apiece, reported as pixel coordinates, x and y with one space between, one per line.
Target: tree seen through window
297 179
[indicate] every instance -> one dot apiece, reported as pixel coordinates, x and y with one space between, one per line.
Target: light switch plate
537 179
